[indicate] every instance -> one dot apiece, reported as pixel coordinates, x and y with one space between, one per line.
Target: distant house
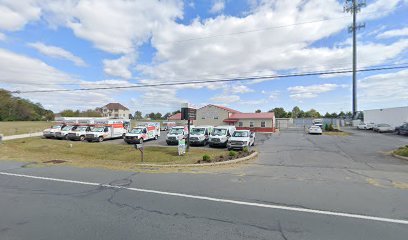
114 110
177 119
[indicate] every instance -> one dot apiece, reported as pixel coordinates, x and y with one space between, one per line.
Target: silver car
383 127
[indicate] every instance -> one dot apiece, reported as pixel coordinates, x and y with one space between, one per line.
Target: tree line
78 113
19 109
154 116
296 112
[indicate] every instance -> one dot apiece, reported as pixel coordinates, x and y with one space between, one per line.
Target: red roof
264 115
176 116
224 108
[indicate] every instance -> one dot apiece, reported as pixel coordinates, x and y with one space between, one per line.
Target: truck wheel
156 137
100 139
253 144
124 135
81 138
398 132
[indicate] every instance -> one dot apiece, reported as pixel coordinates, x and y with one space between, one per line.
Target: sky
71 44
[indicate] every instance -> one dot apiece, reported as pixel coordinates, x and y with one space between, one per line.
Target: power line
333 67
217 80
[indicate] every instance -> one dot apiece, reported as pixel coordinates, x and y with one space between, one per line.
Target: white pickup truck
241 139
79 133
50 132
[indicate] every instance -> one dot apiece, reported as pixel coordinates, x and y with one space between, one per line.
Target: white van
200 135
142 133
175 134
50 132
220 135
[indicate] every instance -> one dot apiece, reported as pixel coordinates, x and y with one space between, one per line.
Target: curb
254 154
400 157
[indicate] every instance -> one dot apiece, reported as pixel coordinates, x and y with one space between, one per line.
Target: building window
116 115
251 124
216 117
263 124
116 110
203 118
240 124
105 110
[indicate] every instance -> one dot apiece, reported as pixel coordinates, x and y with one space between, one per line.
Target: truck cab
200 135
50 132
220 135
175 134
63 133
79 133
241 139
142 133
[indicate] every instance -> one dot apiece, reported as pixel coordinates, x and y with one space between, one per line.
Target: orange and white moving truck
104 129
143 132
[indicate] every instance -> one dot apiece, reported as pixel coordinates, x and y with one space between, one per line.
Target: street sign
141 149
139 146
188 114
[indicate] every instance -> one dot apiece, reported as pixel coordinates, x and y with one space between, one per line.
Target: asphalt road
299 188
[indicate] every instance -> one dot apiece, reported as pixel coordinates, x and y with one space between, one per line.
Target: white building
392 116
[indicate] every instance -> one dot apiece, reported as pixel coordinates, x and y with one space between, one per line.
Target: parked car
241 139
403 129
383 127
175 134
200 135
315 130
220 135
362 126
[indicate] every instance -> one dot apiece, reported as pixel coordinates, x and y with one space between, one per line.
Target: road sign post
141 149
188 113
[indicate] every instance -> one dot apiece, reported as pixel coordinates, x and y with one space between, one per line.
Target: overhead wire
268 77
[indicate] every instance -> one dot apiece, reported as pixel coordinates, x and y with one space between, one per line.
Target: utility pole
354 6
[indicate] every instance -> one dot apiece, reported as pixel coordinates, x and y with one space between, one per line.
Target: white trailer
392 116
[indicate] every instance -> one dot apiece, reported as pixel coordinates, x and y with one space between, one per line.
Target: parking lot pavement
349 174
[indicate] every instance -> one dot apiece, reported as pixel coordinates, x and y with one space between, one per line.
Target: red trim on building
257 129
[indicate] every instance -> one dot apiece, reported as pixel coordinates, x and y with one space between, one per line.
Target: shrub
206 158
330 127
232 153
245 150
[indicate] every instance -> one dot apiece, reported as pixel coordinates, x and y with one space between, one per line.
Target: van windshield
56 126
98 129
136 130
67 128
176 131
81 129
198 131
219 132
240 134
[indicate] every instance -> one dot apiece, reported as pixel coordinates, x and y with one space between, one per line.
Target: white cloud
217 7
394 33
240 89
385 88
119 67
16 14
2 37
312 91
114 26
225 99
57 52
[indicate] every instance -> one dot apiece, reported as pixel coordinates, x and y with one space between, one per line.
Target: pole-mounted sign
141 149
188 113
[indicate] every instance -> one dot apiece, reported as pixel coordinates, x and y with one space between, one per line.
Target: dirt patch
55 161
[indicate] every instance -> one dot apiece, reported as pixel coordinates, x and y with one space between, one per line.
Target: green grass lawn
83 154
21 127
402 151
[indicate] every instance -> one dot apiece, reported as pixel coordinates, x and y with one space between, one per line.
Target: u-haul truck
104 129
143 132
